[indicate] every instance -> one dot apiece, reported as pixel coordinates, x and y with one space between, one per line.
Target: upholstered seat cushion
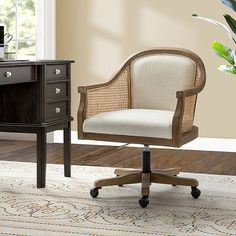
132 122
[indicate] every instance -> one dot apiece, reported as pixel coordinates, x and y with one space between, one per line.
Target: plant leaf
231 22
228 69
224 27
230 3
224 52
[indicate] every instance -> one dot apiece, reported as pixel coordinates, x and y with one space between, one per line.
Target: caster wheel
195 192
174 184
143 202
94 192
120 184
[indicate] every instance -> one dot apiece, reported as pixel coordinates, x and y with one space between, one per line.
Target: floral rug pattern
65 207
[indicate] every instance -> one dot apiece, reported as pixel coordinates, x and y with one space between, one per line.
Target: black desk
35 98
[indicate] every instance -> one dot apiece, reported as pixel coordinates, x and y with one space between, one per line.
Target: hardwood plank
125 157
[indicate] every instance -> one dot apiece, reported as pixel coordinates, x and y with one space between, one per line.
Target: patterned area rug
65 207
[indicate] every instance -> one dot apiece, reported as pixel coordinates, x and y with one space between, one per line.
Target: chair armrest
109 96
190 92
186 104
200 82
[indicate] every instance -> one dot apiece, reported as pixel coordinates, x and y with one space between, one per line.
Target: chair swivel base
126 176
146 177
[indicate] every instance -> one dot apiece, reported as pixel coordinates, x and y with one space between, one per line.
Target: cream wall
100 34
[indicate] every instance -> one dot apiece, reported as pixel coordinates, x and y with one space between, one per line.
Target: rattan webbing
114 96
189 107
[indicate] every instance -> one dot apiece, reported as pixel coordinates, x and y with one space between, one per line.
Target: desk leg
67 150
41 157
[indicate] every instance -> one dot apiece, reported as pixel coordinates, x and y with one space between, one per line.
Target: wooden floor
188 161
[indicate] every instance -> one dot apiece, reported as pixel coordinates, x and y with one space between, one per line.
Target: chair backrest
157 75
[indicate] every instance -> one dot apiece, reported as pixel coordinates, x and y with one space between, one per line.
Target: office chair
151 100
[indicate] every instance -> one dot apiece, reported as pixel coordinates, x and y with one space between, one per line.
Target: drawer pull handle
8 74
58 109
58 90
57 72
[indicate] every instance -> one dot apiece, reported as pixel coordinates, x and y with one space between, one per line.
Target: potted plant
221 50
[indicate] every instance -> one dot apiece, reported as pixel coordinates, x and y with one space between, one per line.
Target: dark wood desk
35 98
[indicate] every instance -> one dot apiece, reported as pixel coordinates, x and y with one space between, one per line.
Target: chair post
146 162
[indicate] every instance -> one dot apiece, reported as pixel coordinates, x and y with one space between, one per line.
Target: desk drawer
56 110
56 91
55 72
15 74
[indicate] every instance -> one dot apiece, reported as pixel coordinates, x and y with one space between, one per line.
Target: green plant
221 50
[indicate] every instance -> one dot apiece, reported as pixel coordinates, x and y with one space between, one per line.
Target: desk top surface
33 62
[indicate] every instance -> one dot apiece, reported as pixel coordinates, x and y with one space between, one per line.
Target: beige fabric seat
133 122
151 100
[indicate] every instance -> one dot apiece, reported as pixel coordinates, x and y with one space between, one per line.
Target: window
19 19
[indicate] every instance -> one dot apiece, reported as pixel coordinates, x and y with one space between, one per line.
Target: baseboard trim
201 144
17 136
23 136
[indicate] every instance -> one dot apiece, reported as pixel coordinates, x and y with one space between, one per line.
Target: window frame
45 29
16 38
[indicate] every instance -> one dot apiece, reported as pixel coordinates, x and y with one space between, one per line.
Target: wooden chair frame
94 99
117 95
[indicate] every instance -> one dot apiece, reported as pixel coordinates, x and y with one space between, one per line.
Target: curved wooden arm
186 104
81 89
85 89
114 78
199 85
190 92
109 96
